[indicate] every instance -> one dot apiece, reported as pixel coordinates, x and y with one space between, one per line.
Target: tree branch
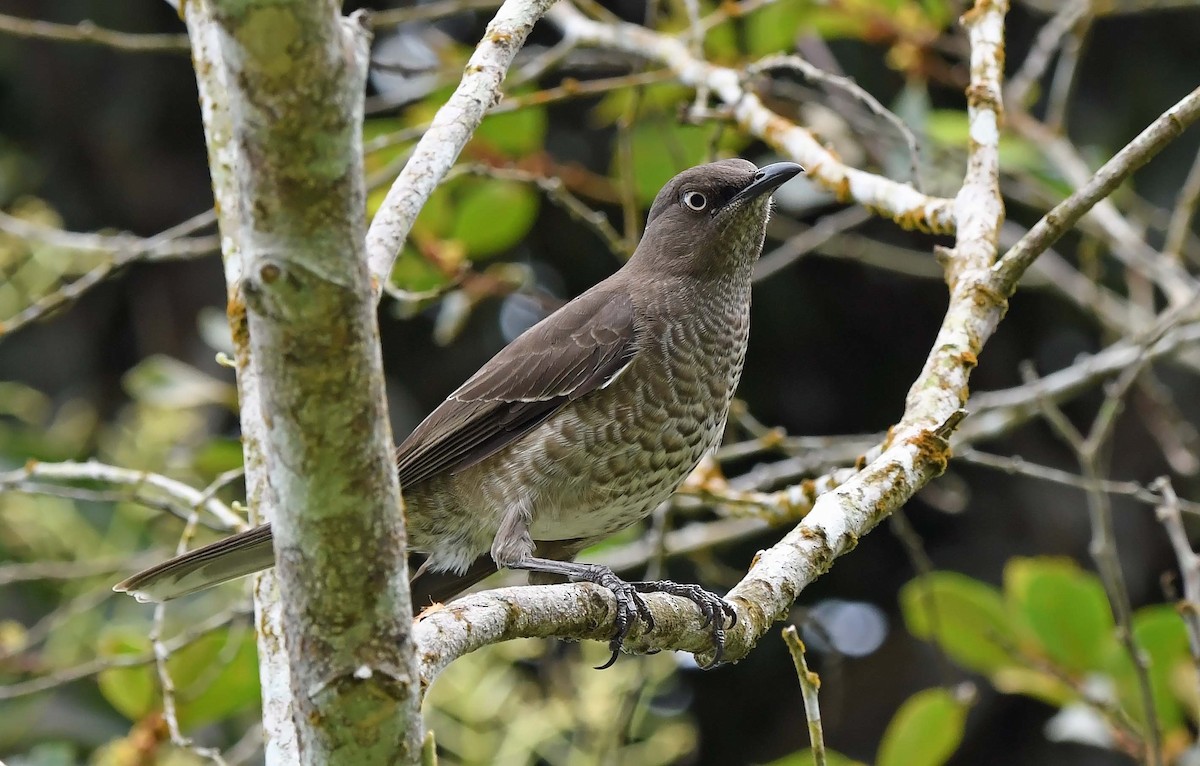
900 202
88 32
452 127
283 115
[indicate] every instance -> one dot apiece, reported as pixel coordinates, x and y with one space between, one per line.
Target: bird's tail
235 556
430 588
251 551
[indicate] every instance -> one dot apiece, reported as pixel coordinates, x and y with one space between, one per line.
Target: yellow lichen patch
268 36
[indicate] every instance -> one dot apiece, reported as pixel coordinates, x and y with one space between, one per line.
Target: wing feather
578 349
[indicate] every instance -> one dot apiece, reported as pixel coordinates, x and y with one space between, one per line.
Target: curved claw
631 607
716 610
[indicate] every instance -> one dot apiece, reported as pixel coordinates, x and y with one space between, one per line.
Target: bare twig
120 249
437 9
810 684
1135 154
554 188
1180 225
88 32
1168 514
99 665
68 570
162 653
796 247
1129 245
451 129
900 202
1018 466
848 85
177 491
1089 450
1048 39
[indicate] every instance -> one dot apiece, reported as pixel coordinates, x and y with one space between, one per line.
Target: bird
579 427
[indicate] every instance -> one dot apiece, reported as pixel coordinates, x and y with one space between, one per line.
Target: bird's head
711 218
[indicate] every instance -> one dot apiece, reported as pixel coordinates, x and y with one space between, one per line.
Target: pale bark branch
916 452
452 127
1102 183
281 745
88 32
283 116
900 202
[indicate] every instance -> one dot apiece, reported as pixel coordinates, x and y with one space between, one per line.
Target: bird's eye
695 200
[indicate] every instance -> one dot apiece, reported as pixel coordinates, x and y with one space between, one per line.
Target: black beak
767 180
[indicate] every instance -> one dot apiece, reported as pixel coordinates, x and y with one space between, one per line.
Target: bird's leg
630 604
513 547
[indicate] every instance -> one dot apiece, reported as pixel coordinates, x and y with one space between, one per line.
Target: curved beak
767 180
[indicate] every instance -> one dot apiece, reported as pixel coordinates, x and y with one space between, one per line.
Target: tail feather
236 556
430 588
252 551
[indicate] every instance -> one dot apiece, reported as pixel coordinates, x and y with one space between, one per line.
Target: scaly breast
606 460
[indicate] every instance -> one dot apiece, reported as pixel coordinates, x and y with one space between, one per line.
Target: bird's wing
581 347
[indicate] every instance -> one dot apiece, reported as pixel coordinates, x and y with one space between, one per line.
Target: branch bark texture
282 95
915 453
477 92
900 202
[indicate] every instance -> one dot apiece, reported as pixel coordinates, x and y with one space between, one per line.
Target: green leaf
925 731
972 624
417 274
218 456
1033 683
1160 635
133 692
1065 608
805 758
660 99
215 676
493 216
221 678
773 29
514 134
660 150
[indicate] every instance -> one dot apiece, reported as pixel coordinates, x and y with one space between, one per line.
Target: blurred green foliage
1049 634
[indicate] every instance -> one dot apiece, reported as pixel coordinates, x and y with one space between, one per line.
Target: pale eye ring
695 200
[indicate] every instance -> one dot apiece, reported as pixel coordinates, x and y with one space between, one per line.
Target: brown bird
582 425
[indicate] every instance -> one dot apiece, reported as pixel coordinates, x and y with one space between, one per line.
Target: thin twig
437 9
1090 453
121 249
452 127
1132 156
1129 245
1186 201
810 684
1048 39
854 90
1169 515
796 247
91 470
554 188
897 201
88 32
1017 466
99 665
